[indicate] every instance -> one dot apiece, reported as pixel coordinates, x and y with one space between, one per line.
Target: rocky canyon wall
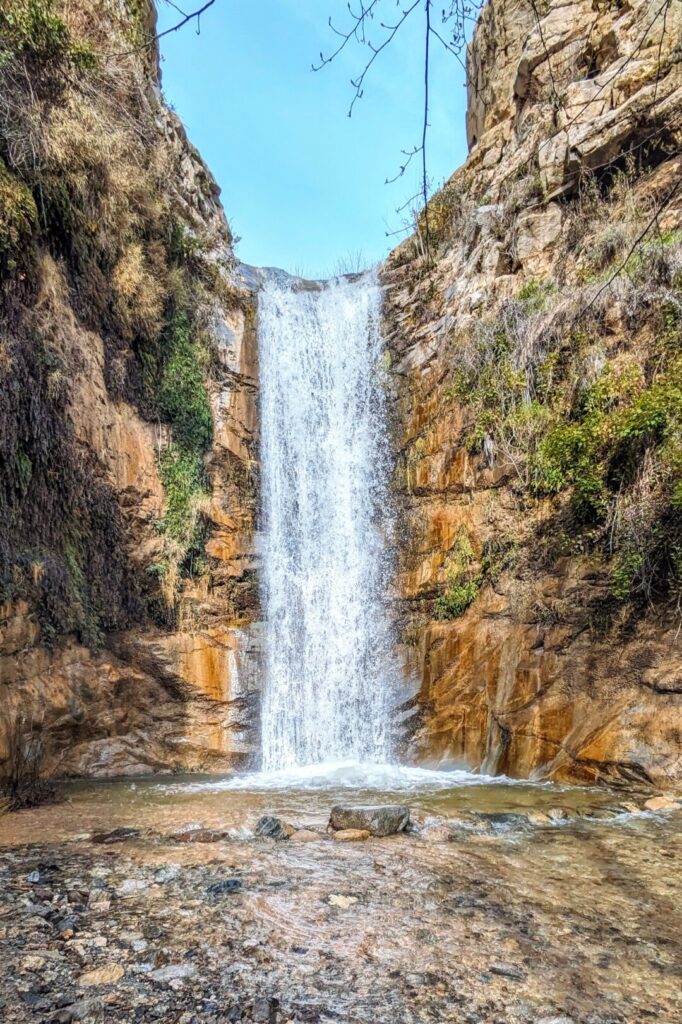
129 411
537 385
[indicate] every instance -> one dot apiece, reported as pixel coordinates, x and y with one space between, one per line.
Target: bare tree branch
186 18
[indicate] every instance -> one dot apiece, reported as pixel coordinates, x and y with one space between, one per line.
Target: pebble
117 835
129 886
173 972
224 886
661 803
505 970
351 835
343 902
33 963
305 835
274 828
102 976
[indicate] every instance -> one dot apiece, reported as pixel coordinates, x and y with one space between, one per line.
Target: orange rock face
527 680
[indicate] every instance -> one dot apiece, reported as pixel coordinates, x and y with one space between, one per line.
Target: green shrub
32 28
18 218
182 476
182 397
456 599
463 582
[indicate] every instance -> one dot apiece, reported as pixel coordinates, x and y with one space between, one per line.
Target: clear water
328 666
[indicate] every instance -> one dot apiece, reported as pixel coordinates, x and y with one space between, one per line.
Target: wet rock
351 835
117 835
383 820
265 1011
305 835
436 834
199 835
225 886
557 814
274 828
538 818
661 803
341 901
131 886
84 1009
107 975
505 970
501 818
33 963
173 972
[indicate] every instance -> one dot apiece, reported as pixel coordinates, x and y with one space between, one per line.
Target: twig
654 219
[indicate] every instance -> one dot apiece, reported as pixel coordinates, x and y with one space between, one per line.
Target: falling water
327 661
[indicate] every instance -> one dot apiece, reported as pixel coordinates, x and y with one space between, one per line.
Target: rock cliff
534 331
537 385
129 424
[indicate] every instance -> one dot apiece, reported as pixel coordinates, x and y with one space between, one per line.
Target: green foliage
33 29
624 574
182 398
456 599
599 452
182 476
18 218
463 581
466 576
85 621
534 295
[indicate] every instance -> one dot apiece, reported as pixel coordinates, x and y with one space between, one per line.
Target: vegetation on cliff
92 223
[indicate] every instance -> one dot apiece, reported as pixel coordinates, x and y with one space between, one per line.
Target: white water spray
327 660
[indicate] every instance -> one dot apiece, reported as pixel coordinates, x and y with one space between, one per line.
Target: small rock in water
129 886
174 972
378 821
102 976
274 828
351 835
117 835
505 970
226 885
538 818
500 817
343 902
557 814
305 835
199 835
661 803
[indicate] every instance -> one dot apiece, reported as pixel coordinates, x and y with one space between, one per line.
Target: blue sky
302 184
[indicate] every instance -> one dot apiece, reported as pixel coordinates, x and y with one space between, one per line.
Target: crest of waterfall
328 663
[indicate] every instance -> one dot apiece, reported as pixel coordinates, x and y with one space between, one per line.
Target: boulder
274 828
382 820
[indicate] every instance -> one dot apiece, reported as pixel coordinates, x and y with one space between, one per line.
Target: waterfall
325 523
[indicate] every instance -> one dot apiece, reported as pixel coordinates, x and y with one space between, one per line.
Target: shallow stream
489 913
